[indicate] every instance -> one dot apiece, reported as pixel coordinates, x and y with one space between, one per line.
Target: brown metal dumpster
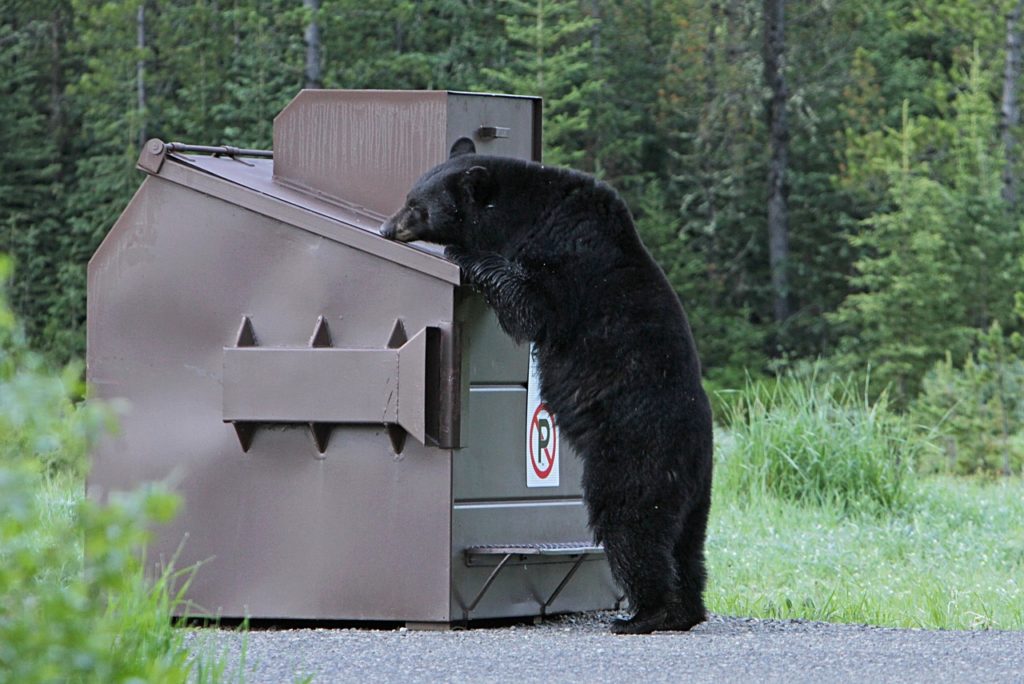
353 436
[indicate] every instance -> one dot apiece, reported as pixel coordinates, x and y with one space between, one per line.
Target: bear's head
446 203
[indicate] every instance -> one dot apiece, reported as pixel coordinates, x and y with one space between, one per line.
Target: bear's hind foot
685 615
641 623
661 620
676 622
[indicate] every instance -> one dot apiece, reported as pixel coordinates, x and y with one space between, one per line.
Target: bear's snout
388 229
396 228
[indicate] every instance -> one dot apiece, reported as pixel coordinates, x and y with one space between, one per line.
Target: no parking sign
542 455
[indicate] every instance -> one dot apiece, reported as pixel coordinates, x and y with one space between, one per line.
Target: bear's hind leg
686 609
641 562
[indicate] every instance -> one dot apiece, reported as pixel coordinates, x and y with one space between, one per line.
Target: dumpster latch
325 387
492 132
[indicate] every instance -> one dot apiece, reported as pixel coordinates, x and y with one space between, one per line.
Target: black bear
556 254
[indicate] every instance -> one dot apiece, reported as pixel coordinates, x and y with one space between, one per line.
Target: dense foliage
904 230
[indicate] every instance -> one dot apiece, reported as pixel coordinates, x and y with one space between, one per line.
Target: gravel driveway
578 648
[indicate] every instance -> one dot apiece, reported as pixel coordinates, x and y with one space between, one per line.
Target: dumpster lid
248 182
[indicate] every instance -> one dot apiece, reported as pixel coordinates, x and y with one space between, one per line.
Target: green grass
821 513
954 559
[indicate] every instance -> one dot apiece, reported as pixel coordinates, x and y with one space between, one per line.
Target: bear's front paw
461 257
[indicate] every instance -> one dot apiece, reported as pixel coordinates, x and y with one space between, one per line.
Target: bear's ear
462 146
477 184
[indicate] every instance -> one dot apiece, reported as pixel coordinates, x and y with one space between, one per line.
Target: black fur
557 256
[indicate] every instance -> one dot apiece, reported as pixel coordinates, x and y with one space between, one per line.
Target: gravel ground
578 648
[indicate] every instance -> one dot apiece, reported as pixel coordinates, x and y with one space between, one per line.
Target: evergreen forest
833 187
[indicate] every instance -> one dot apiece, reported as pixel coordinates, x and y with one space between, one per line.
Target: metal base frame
477 555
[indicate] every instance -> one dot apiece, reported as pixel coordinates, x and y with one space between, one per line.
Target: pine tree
942 261
104 97
32 139
711 126
631 44
549 52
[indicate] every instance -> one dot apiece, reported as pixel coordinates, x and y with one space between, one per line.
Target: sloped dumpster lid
238 177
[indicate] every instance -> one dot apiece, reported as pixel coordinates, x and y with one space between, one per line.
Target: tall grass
822 443
820 514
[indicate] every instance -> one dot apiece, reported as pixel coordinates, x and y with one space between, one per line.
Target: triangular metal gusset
321 435
321 335
398 335
246 335
397 435
321 339
245 432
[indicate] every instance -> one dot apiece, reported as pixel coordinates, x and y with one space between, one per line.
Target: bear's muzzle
396 227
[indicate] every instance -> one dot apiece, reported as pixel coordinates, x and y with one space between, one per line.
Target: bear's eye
420 213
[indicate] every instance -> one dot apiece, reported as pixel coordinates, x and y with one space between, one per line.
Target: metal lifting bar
223 150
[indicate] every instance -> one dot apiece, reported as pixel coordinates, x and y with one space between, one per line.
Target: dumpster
352 434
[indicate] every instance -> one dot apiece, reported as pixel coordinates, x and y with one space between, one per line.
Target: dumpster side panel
357 532
526 583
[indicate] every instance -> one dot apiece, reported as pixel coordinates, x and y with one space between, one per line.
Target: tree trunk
778 219
705 125
1009 111
140 71
314 77
58 129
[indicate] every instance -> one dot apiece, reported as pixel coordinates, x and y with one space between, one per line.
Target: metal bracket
152 156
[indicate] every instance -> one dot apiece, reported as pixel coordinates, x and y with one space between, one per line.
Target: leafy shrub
39 416
821 442
62 618
978 407
65 620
